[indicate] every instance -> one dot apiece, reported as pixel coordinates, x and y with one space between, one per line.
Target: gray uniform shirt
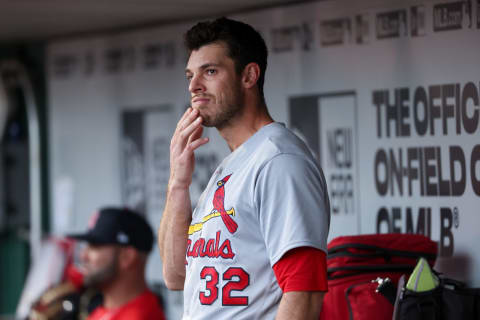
265 198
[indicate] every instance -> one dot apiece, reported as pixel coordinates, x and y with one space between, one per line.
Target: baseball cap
120 226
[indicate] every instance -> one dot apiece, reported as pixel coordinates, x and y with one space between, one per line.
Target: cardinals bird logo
218 205
218 210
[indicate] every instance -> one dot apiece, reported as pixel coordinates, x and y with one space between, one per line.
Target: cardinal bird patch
218 210
218 205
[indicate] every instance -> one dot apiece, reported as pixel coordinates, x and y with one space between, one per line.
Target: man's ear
250 75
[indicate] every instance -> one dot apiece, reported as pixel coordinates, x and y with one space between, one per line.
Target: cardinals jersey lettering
265 198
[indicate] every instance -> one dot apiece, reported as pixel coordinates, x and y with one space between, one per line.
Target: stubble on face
103 274
230 105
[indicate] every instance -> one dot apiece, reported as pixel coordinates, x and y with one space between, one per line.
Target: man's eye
211 71
189 78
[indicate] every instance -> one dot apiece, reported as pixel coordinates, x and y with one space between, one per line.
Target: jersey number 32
237 280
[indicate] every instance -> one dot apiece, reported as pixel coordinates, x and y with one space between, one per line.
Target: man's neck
252 119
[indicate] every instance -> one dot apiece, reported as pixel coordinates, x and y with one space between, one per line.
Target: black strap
342 250
347 292
356 270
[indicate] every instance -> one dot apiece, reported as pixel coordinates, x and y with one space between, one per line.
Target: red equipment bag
363 273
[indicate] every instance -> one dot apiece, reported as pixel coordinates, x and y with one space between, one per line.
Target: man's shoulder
274 144
141 313
281 140
145 307
97 313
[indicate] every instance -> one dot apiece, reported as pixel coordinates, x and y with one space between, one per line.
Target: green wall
14 246
13 270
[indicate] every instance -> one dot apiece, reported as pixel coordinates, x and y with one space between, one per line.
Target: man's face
214 85
100 264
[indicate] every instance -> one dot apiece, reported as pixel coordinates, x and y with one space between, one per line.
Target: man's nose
196 85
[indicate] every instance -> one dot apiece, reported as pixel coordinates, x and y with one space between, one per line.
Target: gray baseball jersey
265 198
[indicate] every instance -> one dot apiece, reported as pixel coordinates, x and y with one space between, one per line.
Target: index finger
183 123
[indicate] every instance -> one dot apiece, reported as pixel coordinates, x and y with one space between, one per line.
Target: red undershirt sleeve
302 269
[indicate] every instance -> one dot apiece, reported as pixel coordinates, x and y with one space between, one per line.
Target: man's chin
206 120
97 280
89 282
208 125
200 106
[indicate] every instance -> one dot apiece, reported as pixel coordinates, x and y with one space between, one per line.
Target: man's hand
186 139
177 215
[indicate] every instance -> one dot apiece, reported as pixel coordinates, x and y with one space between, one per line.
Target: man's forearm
172 236
303 305
177 216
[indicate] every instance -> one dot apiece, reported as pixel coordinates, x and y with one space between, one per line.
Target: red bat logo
218 205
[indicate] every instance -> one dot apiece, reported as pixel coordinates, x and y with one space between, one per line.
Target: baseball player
118 244
254 247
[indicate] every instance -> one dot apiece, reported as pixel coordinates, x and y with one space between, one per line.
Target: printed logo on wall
116 59
121 59
328 124
289 38
439 169
156 55
145 157
452 16
417 21
307 38
362 28
391 24
284 39
335 32
64 65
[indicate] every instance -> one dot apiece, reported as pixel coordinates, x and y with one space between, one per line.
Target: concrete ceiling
36 20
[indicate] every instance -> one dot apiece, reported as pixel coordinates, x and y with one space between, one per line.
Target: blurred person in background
118 244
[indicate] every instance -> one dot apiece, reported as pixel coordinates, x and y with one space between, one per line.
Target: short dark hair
244 43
